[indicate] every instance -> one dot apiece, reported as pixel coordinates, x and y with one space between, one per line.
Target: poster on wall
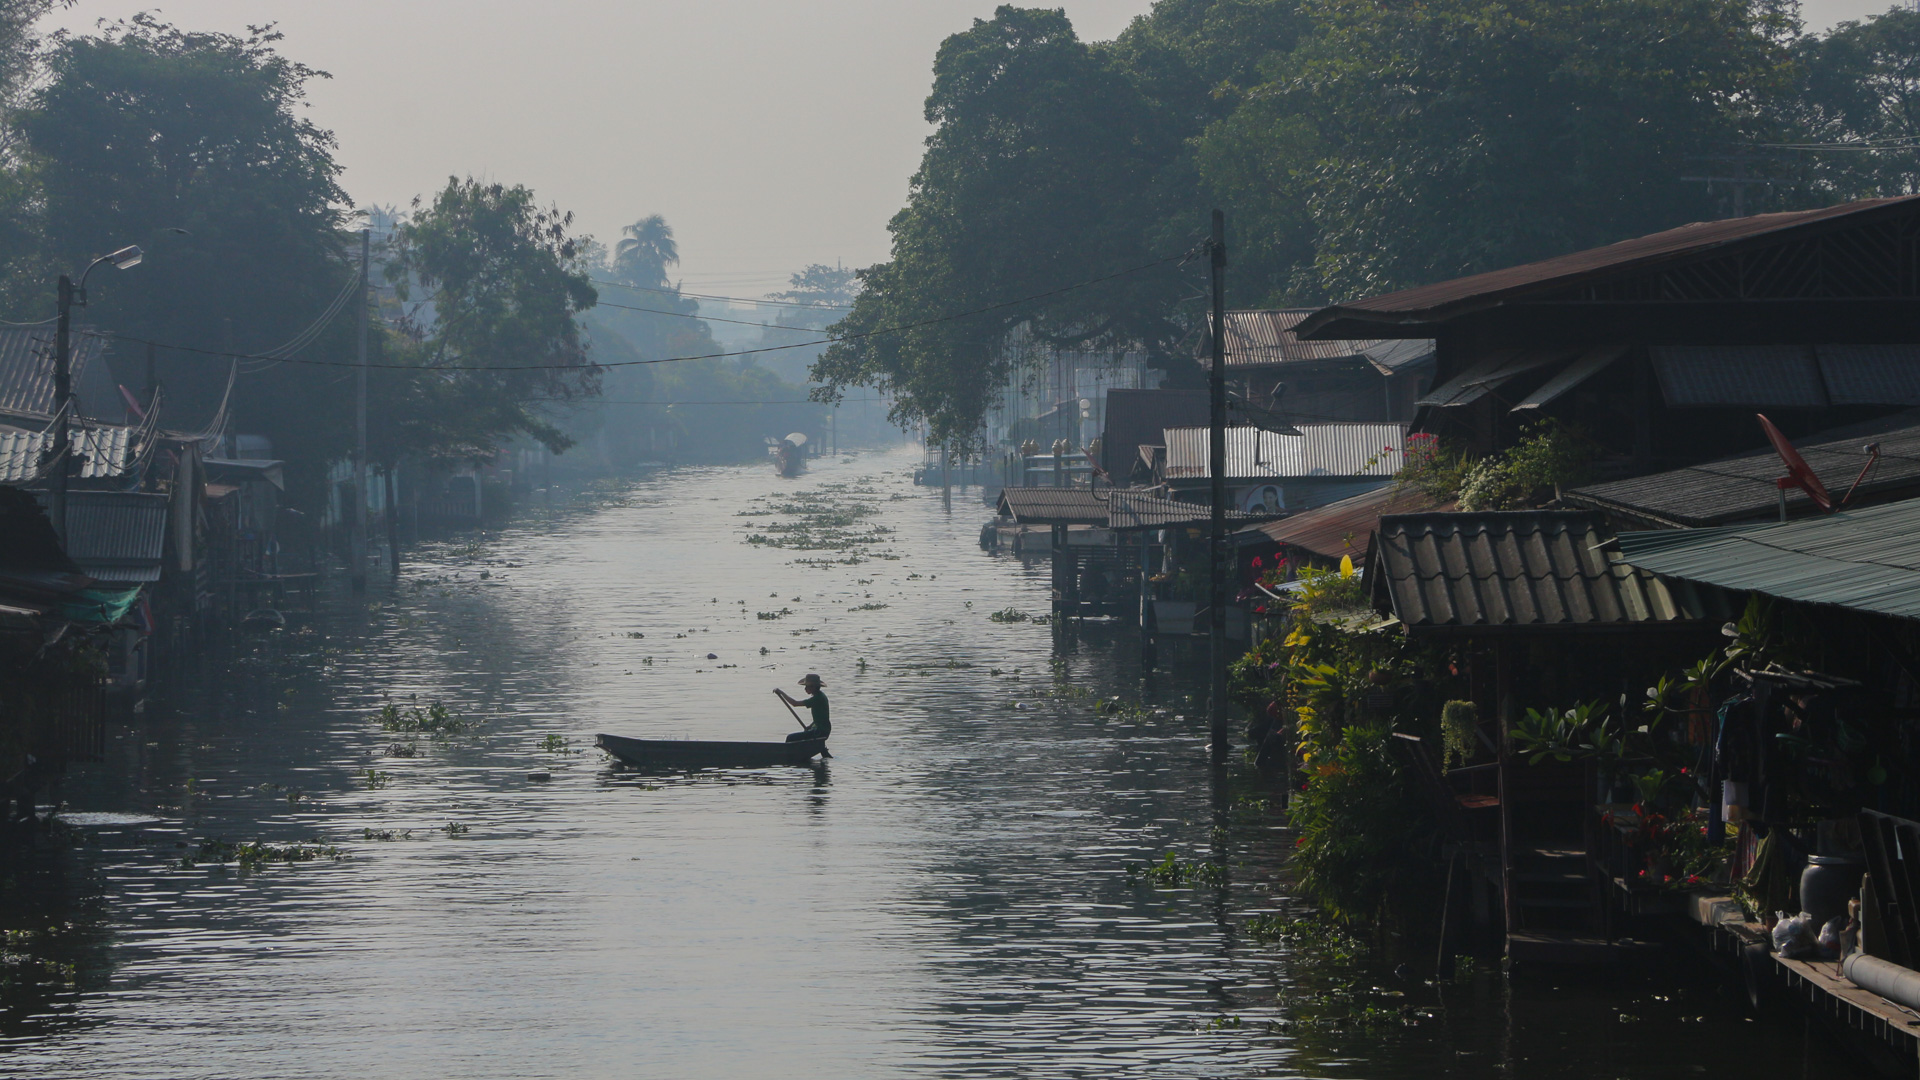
1263 499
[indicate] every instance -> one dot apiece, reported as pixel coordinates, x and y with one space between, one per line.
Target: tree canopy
506 291
1358 146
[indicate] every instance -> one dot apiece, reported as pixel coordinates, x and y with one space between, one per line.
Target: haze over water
943 898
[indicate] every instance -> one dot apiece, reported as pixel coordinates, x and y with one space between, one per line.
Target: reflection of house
1306 381
1271 473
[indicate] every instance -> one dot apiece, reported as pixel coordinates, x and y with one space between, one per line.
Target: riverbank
947 897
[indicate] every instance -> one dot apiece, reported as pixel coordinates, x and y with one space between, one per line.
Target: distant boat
789 454
695 754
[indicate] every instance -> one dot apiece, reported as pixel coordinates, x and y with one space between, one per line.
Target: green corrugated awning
98 607
1864 560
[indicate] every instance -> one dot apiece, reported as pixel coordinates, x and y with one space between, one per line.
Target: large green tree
503 280
1861 97
1044 170
195 146
1356 145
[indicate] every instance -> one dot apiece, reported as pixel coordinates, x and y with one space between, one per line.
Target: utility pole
1217 526
63 410
358 547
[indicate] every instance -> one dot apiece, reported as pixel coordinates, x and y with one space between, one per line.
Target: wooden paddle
803 724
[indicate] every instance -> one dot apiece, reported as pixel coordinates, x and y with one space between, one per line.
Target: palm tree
645 250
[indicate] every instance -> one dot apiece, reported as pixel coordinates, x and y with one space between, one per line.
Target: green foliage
501 273
1549 457
1046 167
1173 872
1581 731
435 719
1458 719
1357 146
1364 832
142 129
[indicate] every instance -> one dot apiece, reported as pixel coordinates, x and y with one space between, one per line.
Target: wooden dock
1885 1032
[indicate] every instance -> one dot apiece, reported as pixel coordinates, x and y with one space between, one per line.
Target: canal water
946 897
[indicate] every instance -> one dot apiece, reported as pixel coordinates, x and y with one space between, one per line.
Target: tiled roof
1742 488
1864 560
1355 449
1537 570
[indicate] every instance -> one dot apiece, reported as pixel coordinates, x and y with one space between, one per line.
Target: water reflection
944 898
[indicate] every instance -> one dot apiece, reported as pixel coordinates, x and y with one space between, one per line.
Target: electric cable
900 328
713 296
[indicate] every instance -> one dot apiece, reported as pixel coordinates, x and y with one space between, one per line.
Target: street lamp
70 294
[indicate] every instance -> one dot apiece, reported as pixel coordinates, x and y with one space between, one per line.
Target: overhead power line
709 318
712 296
897 329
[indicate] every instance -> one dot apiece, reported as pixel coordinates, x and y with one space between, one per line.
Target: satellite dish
1799 473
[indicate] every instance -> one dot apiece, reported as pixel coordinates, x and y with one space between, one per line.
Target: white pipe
1891 981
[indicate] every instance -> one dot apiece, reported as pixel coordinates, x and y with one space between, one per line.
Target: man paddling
815 702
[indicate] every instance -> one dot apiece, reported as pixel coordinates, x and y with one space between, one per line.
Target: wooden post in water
946 481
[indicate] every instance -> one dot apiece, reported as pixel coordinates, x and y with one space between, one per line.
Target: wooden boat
695 754
789 454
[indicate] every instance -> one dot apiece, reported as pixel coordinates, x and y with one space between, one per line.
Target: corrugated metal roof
117 536
1871 374
1485 374
1394 357
103 451
26 370
1260 337
1133 510
1052 506
1584 367
1540 570
1346 527
1447 299
1739 488
1863 560
1356 449
1755 376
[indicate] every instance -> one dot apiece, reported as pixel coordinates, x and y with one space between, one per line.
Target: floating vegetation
557 744
1173 872
832 518
403 749
454 828
771 615
1321 936
386 834
869 607
1010 615
258 852
635 634
435 719
377 779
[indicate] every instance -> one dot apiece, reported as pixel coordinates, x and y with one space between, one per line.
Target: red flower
1257 562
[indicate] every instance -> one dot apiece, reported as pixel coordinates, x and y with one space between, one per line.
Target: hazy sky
771 133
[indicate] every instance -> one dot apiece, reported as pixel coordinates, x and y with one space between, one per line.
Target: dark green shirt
818 704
